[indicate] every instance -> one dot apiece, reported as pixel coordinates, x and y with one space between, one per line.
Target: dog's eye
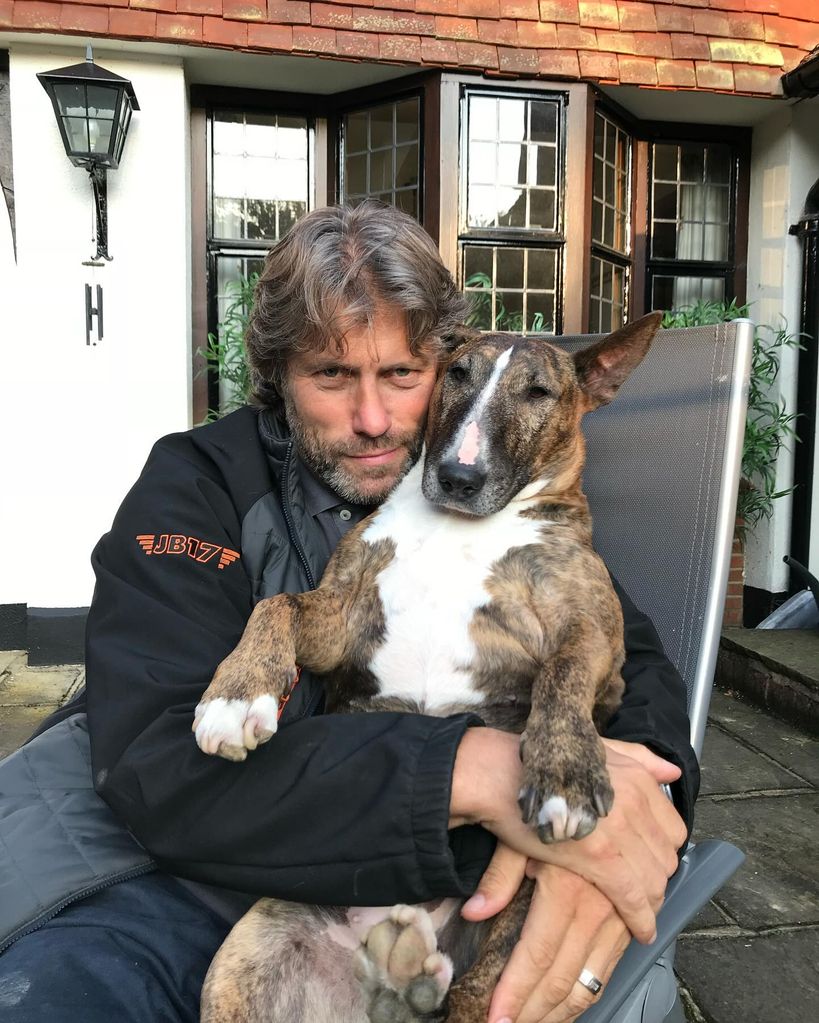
458 373
536 393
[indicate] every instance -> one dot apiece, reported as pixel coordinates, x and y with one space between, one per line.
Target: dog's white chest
431 590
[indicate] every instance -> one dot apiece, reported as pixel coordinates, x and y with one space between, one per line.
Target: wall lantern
93 109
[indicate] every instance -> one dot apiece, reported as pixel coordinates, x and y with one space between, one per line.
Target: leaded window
381 155
611 225
510 236
260 184
691 209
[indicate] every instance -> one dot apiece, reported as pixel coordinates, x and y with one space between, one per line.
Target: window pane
512 142
406 166
355 175
543 122
381 170
513 288
407 120
407 200
355 133
682 292
381 120
665 163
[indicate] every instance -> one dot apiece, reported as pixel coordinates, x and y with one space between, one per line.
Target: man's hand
631 853
571 926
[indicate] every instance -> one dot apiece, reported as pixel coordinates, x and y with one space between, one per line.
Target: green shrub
768 426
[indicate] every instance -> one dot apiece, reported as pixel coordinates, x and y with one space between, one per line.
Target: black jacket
339 809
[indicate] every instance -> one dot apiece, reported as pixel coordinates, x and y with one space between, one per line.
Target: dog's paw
229 728
565 804
402 972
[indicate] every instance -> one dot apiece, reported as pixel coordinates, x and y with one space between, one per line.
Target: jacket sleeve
653 710
339 808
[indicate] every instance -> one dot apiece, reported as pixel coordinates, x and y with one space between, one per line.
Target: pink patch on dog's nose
470 447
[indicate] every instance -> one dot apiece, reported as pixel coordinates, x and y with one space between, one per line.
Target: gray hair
326 276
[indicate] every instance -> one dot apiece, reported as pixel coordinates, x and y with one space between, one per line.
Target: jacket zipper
288 517
49 914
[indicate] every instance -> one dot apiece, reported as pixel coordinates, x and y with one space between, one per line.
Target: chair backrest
662 476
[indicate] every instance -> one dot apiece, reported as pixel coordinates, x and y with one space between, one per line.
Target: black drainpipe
808 230
802 83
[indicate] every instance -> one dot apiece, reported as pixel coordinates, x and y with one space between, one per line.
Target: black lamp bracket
99 186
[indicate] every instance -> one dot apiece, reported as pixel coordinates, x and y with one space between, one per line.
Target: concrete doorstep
751 954
777 669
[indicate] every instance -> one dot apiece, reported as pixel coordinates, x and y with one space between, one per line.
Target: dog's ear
604 366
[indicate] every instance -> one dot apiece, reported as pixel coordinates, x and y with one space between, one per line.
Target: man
351 314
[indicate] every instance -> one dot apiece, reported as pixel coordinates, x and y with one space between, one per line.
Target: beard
371 484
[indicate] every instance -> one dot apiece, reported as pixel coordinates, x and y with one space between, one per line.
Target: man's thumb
663 771
500 881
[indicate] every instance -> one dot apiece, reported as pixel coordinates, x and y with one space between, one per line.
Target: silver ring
589 981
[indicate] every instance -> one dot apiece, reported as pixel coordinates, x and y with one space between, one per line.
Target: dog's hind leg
285 963
471 994
404 976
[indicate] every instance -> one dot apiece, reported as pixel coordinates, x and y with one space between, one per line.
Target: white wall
78 421
784 165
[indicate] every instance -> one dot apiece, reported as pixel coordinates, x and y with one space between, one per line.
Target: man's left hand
571 924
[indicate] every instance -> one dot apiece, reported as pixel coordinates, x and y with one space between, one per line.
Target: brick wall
740 46
736 583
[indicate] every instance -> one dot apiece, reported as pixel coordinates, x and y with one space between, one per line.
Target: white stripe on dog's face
466 446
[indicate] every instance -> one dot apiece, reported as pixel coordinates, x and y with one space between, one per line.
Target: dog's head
506 413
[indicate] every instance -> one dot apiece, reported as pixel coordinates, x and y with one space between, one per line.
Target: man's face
357 415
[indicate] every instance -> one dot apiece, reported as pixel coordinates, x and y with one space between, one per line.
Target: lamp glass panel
76 129
70 98
102 101
124 124
99 134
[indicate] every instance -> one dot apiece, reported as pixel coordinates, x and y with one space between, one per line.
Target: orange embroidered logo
177 543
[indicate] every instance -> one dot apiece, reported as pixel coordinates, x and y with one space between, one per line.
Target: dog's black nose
460 481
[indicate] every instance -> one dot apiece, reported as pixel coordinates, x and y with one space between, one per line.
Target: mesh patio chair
662 476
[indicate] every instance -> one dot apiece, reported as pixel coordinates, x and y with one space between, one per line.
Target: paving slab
793 749
43 686
708 917
767 979
10 659
779 882
728 766
18 723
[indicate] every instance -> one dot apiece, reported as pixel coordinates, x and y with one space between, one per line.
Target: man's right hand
630 854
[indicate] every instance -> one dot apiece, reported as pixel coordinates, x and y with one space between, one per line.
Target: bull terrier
473 587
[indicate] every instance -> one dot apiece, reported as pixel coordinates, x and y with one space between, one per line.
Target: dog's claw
601 804
527 801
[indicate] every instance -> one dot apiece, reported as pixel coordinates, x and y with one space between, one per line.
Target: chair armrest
703 870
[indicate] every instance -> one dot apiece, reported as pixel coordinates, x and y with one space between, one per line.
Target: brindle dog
473 587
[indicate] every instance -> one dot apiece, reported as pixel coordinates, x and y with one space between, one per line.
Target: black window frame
516 237
599 250
733 270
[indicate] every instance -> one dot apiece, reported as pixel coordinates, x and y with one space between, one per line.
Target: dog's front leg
239 709
566 786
